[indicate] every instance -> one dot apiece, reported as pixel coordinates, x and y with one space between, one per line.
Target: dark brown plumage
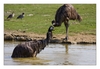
32 48
65 13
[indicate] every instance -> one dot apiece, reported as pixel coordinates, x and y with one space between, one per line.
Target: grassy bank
38 18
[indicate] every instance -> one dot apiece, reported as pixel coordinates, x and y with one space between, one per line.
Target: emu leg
35 54
66 25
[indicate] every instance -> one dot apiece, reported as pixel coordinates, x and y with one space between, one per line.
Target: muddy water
54 54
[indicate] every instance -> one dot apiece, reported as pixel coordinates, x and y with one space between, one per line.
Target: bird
11 15
32 48
21 16
63 14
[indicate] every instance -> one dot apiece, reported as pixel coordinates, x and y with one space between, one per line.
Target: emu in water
65 13
32 48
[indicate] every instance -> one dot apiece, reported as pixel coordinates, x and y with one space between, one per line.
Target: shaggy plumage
32 48
65 13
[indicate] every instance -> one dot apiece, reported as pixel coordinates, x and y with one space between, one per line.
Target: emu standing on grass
32 48
65 13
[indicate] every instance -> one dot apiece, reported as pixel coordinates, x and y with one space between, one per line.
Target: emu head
51 28
53 22
56 24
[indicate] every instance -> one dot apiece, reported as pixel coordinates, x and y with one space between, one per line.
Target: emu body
32 48
65 13
28 49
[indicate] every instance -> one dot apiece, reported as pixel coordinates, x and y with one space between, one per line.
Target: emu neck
48 37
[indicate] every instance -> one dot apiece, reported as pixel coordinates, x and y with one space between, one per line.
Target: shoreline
72 39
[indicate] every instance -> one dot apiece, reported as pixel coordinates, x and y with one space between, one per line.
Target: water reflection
29 61
66 48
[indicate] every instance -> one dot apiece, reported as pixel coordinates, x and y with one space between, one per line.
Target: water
54 54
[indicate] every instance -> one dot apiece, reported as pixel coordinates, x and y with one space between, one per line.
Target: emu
32 48
65 13
21 16
11 15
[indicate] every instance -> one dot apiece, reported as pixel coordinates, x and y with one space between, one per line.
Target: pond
54 54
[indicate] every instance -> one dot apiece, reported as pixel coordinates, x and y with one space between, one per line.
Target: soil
80 38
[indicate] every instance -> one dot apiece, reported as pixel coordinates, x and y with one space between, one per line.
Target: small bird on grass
11 15
21 16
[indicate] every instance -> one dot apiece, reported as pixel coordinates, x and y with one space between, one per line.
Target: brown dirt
80 38
76 38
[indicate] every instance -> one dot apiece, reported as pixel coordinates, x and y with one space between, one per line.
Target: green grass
43 14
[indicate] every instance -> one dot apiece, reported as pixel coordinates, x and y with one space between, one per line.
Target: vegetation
38 18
